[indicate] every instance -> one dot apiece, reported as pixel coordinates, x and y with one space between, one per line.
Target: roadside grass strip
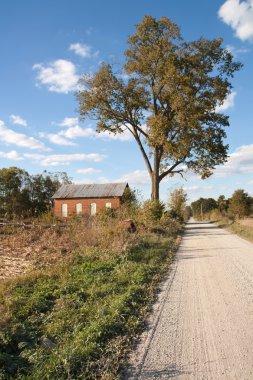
78 320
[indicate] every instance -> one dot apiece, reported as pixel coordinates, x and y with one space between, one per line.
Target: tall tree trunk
155 178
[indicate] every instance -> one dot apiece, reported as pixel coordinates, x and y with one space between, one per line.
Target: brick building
72 200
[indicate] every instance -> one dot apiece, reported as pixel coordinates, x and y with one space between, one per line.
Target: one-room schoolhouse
87 199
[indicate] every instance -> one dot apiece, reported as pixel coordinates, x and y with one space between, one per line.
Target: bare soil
202 324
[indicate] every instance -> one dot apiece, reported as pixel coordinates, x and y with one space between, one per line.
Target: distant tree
25 195
187 213
14 194
177 202
169 101
240 204
203 206
222 204
41 189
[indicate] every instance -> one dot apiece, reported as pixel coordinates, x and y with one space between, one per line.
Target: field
82 301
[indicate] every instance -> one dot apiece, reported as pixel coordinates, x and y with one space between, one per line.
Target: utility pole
201 210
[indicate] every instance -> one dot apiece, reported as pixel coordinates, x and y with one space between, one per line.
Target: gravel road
202 324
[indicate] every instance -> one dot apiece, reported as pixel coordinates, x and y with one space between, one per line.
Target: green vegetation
25 195
228 213
77 321
238 206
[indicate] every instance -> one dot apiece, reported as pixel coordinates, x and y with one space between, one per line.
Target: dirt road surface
202 324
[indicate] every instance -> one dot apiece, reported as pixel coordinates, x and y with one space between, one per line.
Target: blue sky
47 45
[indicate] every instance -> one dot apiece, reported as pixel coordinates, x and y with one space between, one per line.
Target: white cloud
81 49
56 139
125 136
229 102
12 155
11 137
235 51
18 120
198 189
238 15
77 131
88 171
59 76
68 122
137 177
64 159
239 162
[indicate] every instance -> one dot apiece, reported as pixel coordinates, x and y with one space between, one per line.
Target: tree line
27 195
238 206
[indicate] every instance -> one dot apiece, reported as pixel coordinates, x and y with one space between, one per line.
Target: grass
245 232
79 319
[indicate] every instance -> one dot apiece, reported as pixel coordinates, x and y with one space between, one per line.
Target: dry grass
23 248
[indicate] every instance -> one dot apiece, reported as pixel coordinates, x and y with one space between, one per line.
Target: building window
64 210
79 208
93 209
108 205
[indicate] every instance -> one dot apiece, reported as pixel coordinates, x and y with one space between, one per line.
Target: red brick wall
100 202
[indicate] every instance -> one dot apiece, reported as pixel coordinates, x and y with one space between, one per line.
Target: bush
151 212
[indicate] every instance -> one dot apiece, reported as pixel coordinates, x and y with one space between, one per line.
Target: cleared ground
202 325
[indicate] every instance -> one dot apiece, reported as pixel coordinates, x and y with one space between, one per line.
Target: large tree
168 101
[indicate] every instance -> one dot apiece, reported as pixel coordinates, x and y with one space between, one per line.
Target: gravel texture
202 324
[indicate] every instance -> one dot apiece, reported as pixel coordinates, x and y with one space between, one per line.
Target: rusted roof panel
90 191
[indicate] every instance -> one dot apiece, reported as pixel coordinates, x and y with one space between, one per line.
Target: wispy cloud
238 15
56 139
12 155
18 120
82 50
73 131
229 102
236 51
20 139
77 131
88 171
68 122
58 76
64 159
239 162
137 177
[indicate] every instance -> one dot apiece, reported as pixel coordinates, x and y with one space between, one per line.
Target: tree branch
171 170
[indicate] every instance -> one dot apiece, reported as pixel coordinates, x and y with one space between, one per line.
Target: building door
64 210
93 209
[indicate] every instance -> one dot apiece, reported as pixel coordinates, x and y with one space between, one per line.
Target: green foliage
177 203
222 204
87 311
203 206
22 194
240 204
151 212
180 84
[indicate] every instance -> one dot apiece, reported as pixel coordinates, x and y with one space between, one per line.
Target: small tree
240 204
169 101
177 202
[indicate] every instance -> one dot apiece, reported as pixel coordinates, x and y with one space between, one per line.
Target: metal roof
90 191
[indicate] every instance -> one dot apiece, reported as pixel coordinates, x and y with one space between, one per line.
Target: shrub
151 212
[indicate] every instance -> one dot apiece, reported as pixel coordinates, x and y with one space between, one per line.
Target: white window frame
64 210
79 209
108 205
93 209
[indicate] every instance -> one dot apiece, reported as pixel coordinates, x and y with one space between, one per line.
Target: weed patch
78 320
